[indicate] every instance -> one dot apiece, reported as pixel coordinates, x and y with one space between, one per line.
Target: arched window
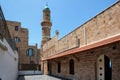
71 66
59 67
30 52
108 68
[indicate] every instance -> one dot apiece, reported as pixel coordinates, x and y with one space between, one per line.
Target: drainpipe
85 37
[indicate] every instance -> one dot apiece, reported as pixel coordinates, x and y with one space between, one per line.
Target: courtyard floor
40 77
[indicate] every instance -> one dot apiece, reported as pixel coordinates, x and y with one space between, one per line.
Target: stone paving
40 77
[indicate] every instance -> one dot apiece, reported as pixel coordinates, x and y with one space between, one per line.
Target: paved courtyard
40 77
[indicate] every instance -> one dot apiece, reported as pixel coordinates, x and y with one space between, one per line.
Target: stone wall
104 25
89 64
49 47
22 34
34 58
22 43
86 65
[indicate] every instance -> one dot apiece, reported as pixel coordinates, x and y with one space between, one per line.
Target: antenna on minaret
46 5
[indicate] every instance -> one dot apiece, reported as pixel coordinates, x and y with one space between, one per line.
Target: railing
31 72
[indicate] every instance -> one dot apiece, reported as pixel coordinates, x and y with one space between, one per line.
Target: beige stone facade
93 48
20 37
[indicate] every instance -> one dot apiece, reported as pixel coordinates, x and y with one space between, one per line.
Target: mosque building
90 52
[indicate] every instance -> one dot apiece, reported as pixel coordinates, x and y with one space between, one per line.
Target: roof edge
110 40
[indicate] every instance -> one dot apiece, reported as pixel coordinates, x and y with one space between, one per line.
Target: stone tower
46 25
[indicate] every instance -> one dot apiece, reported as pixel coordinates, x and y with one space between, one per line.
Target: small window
47 14
16 39
17 48
59 67
30 52
71 66
78 42
16 28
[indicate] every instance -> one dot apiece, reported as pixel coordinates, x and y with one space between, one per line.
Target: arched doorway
104 68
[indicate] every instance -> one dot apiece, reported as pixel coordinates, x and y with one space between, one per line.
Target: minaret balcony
46 23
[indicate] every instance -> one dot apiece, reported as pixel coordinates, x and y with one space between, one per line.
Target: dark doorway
108 69
39 67
59 67
49 68
104 68
71 66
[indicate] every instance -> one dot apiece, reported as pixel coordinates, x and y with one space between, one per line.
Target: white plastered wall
8 62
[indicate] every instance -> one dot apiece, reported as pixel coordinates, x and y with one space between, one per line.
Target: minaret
46 25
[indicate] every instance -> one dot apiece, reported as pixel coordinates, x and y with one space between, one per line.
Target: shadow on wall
61 78
21 78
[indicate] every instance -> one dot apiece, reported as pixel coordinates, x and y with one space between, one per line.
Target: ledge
2 46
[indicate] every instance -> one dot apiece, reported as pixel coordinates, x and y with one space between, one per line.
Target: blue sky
66 15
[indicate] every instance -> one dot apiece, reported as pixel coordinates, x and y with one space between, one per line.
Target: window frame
71 67
16 28
29 53
16 39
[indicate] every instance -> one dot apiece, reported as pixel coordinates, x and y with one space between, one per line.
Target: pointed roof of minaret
46 7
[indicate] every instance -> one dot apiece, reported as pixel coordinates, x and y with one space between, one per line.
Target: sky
66 15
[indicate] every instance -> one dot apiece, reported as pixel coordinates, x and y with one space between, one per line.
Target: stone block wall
86 63
34 58
49 47
22 43
104 25
22 34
